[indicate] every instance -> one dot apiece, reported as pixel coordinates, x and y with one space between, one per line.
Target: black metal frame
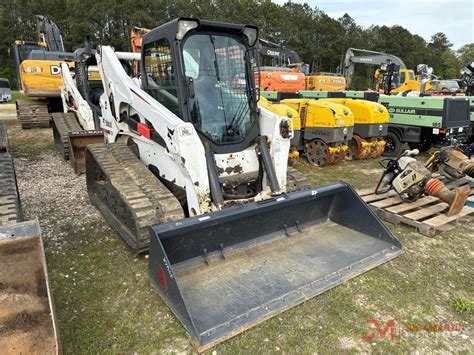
169 31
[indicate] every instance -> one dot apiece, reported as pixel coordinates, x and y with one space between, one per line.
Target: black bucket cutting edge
225 272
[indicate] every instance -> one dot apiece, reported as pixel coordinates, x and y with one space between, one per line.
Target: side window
160 74
402 78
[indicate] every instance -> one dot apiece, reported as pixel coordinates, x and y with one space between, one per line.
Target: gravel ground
53 194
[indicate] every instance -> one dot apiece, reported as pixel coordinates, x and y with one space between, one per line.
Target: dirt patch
26 324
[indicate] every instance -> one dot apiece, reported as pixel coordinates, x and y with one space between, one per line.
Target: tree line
321 41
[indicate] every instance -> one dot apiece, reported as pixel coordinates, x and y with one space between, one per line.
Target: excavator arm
49 33
364 56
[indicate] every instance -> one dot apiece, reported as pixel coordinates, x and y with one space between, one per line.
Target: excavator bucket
227 271
78 141
27 319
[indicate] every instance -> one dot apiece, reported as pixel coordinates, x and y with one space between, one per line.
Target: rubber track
296 181
142 196
33 114
63 123
10 209
3 138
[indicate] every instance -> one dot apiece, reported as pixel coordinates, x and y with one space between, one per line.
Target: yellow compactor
370 127
325 130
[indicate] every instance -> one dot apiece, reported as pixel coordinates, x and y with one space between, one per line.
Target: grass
462 305
29 143
105 304
18 95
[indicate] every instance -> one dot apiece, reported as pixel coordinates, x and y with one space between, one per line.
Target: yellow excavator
392 77
38 72
325 82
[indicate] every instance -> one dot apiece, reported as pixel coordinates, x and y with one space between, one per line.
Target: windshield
443 86
24 50
217 75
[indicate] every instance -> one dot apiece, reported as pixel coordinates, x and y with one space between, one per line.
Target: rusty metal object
341 154
33 114
380 147
26 310
454 198
359 148
293 157
377 148
320 153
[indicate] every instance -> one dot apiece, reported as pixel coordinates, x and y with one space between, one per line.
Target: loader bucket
227 271
27 322
78 141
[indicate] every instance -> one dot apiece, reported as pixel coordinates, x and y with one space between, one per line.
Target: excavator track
3 138
33 114
10 208
127 194
63 123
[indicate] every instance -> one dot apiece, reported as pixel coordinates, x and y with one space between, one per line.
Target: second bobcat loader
79 124
195 172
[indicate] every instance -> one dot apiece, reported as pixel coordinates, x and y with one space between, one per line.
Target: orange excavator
136 35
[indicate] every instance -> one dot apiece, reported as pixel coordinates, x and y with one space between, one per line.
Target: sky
422 17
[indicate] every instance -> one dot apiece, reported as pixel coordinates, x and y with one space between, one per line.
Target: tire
393 145
422 147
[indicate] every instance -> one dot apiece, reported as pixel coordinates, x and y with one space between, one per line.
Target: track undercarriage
71 140
33 114
129 196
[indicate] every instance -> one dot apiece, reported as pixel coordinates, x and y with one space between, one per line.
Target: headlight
184 26
380 127
344 131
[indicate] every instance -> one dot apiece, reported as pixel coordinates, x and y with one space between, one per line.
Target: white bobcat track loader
79 124
193 170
